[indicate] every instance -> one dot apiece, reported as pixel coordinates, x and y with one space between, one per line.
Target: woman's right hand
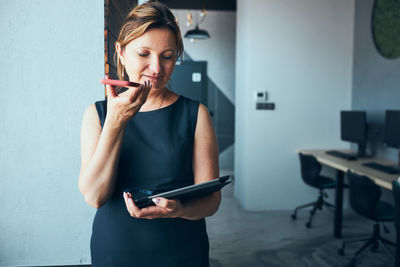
121 108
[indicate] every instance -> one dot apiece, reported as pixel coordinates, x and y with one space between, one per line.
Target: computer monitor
392 128
353 128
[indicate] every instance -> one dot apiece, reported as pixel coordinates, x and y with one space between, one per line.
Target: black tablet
187 192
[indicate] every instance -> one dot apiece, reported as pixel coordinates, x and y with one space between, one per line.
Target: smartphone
119 83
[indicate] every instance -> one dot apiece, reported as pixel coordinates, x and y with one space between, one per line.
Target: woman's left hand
164 208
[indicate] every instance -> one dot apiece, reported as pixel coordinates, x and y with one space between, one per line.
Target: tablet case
184 193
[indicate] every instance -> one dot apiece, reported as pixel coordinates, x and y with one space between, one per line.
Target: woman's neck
156 99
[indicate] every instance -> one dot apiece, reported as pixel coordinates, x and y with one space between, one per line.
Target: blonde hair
142 18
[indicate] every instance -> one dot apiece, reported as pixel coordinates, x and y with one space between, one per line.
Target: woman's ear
120 52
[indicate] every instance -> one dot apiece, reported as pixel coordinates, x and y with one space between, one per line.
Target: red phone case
119 83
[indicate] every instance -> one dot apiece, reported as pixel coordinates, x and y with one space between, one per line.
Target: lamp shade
197 33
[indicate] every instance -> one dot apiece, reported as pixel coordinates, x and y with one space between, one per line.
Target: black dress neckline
163 108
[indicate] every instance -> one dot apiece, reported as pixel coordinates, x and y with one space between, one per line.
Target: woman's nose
155 64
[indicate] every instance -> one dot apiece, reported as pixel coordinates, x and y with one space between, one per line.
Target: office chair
364 197
396 195
310 169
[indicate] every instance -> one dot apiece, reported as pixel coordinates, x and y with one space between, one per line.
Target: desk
341 166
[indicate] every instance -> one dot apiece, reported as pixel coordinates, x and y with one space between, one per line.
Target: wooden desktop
342 166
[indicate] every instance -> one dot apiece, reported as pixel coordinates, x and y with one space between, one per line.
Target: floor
241 238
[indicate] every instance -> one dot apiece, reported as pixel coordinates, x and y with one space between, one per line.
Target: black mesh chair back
310 169
364 194
310 174
396 195
364 198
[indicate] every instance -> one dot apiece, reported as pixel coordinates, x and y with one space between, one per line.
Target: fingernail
156 200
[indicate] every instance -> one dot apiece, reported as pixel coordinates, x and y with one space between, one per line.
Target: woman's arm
100 147
205 168
99 158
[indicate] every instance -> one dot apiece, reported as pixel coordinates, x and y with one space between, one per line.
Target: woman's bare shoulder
90 115
90 110
203 112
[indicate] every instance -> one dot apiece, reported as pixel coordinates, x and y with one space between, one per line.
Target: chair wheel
340 251
308 225
294 216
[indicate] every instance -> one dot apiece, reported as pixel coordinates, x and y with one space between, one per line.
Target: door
190 79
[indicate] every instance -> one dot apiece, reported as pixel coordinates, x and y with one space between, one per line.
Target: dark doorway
190 79
115 12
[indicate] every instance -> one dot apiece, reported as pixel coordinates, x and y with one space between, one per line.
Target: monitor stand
398 160
361 150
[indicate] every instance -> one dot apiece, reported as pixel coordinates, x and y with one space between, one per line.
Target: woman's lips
152 78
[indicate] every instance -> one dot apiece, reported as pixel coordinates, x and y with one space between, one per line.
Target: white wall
301 53
52 55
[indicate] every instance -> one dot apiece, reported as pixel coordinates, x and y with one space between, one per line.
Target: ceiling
226 5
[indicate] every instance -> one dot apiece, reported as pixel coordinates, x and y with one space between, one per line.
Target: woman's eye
167 57
143 54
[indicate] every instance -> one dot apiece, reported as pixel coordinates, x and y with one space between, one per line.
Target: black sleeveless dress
156 156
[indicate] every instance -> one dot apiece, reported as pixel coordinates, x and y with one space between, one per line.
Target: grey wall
51 61
376 84
376 80
301 53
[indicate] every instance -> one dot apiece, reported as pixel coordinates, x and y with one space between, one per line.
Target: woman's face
151 56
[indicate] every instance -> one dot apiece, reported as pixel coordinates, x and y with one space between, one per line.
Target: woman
148 139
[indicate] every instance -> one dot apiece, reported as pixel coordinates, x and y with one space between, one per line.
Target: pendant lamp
197 33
